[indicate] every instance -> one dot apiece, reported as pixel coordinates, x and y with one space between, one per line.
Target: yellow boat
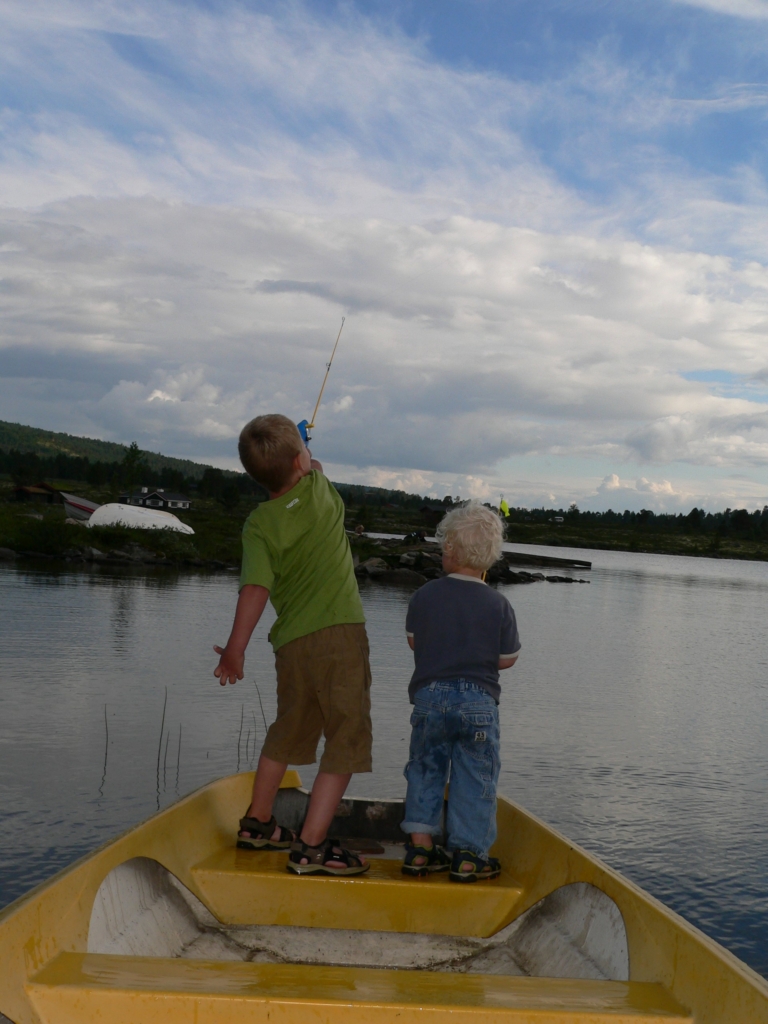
172 923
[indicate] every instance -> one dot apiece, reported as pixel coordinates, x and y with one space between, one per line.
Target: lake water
634 721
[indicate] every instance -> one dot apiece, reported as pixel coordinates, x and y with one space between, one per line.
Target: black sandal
317 857
433 858
257 835
466 866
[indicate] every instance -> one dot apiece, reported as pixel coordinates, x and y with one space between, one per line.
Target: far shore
31 531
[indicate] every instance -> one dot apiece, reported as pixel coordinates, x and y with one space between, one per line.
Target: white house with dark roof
157 497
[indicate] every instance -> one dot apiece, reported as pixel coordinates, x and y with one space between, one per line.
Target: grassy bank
708 545
35 530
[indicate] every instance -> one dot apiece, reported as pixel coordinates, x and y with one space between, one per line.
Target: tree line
731 521
225 486
25 468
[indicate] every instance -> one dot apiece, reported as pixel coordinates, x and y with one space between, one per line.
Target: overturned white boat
115 514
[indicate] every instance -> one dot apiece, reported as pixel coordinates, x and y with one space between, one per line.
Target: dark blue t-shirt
460 629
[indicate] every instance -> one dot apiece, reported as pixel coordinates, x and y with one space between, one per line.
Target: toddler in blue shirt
462 633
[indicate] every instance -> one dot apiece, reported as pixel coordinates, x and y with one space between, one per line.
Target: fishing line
305 426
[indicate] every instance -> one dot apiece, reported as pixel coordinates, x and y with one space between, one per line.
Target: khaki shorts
323 688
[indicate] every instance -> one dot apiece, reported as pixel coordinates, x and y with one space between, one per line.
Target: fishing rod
305 426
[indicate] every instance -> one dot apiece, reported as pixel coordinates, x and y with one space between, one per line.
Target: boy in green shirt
296 554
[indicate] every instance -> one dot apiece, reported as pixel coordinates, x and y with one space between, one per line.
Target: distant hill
48 442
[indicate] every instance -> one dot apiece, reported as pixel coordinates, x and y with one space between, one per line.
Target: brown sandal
257 835
317 859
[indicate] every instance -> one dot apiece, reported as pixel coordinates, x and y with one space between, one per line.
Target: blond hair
473 533
267 447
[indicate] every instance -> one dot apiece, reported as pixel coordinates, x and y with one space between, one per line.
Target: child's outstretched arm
250 605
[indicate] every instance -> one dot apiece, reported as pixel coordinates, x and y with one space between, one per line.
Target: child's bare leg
269 775
327 791
422 839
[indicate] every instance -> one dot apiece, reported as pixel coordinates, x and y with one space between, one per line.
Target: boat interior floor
156 951
143 910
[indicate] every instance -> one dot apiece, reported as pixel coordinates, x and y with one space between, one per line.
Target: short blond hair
267 447
474 534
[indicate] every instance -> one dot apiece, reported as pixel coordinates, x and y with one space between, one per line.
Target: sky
545 222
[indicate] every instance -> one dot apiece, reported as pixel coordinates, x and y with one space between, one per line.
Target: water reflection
634 720
121 619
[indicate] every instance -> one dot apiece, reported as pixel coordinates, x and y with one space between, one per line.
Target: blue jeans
454 727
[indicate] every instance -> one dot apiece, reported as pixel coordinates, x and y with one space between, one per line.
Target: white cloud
736 8
412 481
613 489
735 491
339 117
184 230
649 487
415 482
91 15
466 342
243 136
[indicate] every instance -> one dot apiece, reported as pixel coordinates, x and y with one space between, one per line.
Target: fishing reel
304 427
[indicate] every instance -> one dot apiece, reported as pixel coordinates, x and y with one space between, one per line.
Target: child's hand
230 667
250 605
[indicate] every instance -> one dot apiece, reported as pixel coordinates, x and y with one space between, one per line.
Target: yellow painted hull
47 974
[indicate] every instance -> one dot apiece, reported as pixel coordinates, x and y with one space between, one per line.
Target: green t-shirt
296 547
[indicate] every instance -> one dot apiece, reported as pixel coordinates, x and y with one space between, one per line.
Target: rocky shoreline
415 564
132 554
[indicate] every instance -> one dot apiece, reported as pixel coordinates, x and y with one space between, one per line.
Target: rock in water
372 567
407 576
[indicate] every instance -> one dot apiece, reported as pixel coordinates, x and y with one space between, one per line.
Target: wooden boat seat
80 988
240 887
